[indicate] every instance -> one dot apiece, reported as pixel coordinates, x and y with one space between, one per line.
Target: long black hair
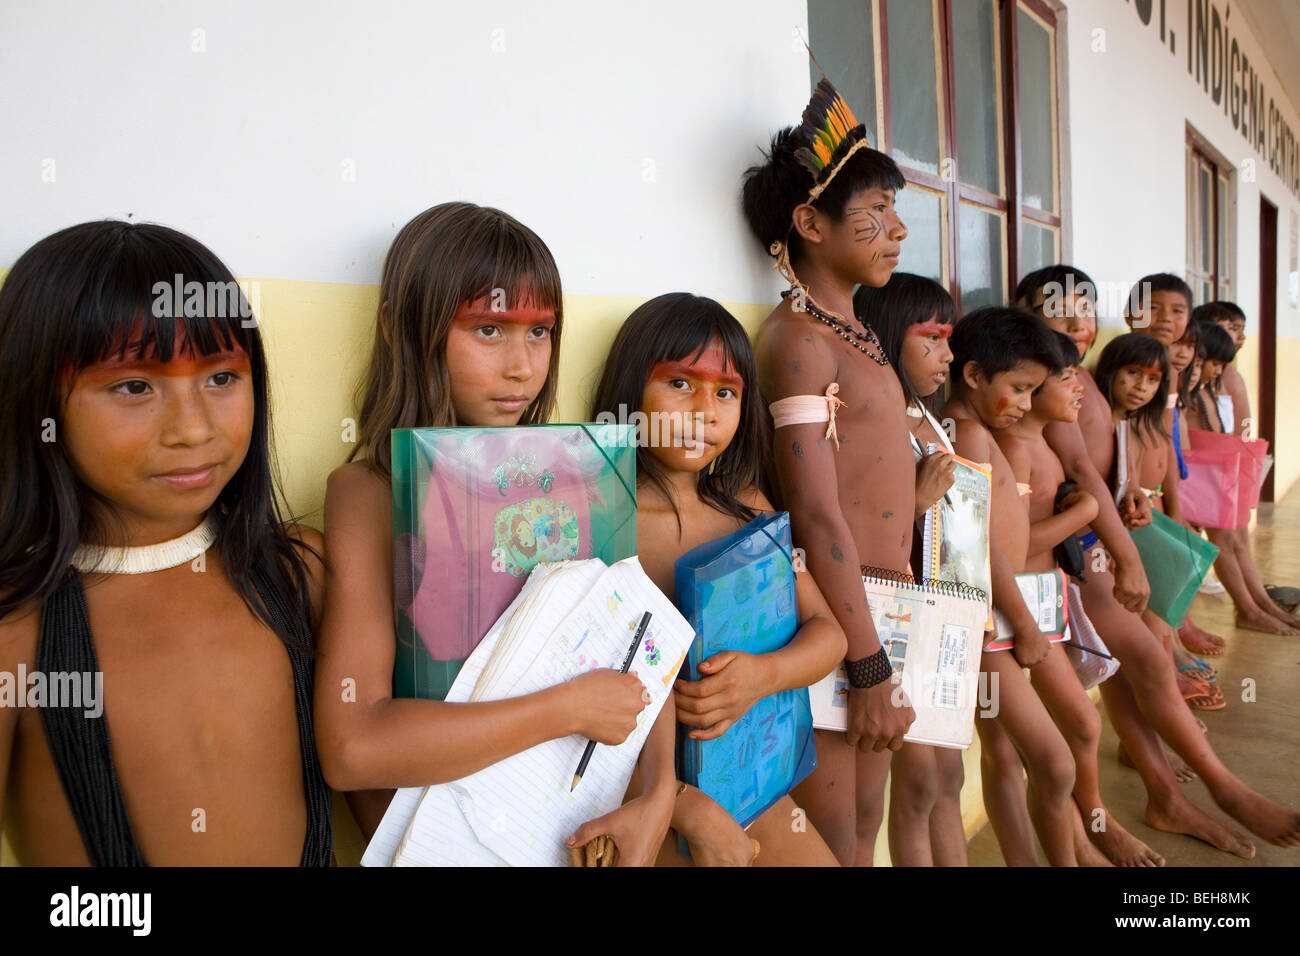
1134 348
99 290
902 302
674 327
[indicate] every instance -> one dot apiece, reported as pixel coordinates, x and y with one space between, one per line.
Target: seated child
1000 357
1132 374
1232 398
144 559
822 203
1162 466
914 317
1235 565
448 351
1034 465
684 360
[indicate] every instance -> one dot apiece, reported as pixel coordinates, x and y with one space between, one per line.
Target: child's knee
952 777
1084 728
914 791
1052 772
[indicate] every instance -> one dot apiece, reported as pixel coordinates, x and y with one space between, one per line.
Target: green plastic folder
476 509
1176 561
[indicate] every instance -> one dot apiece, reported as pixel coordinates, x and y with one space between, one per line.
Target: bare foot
1272 821
1182 772
1199 642
1179 816
1123 848
1266 623
1290 620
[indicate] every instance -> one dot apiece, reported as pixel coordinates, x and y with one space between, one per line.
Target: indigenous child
1051 522
467 333
683 359
1064 297
1232 398
822 203
1154 306
1235 566
144 561
1133 375
914 317
1000 357
1145 683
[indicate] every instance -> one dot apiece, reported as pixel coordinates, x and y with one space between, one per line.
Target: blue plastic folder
738 593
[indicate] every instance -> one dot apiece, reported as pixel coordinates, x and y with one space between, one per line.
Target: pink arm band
806 409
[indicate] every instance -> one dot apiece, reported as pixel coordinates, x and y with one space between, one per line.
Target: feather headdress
830 134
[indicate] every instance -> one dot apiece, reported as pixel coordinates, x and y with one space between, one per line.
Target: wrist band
870 671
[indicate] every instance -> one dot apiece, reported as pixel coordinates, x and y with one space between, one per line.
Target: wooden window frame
955 193
1219 277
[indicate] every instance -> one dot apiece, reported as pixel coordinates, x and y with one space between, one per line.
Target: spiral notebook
955 533
934 632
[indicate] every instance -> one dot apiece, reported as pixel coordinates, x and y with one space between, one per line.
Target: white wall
552 111
1129 109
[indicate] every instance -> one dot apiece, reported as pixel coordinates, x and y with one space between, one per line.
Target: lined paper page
520 809
392 828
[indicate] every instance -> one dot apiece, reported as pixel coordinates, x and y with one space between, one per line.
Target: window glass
913 92
1037 134
979 127
981 257
1038 247
841 35
922 211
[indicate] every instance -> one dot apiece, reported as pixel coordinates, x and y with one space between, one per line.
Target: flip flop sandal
1204 696
1200 669
1288 597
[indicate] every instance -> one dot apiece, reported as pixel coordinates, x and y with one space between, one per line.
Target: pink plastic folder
1252 454
1207 497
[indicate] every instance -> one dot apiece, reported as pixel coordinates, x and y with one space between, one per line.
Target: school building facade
295 138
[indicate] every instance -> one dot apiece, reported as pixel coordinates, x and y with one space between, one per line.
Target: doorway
1267 333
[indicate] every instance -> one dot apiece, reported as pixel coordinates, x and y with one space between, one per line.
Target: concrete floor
1259 741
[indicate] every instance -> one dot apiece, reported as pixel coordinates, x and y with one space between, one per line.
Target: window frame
953 193
1199 157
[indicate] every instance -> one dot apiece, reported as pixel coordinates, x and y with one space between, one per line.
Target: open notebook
570 617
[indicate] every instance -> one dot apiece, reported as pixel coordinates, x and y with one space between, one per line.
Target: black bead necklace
846 332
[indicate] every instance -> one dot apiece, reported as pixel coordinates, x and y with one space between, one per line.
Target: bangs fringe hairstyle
1134 348
1067 352
902 302
447 255
86 294
678 327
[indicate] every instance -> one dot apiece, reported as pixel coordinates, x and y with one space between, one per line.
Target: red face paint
480 312
183 363
710 366
926 329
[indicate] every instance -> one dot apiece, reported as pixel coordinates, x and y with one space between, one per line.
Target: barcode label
953 648
1047 603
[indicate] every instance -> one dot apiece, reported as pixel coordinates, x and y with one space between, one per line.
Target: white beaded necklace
94 559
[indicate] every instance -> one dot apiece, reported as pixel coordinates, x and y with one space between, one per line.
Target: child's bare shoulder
752 498
310 545
355 495
793 357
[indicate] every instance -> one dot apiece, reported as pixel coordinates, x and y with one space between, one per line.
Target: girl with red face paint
144 556
684 358
914 318
467 333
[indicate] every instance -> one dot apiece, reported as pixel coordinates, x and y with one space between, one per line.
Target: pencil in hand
627 662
